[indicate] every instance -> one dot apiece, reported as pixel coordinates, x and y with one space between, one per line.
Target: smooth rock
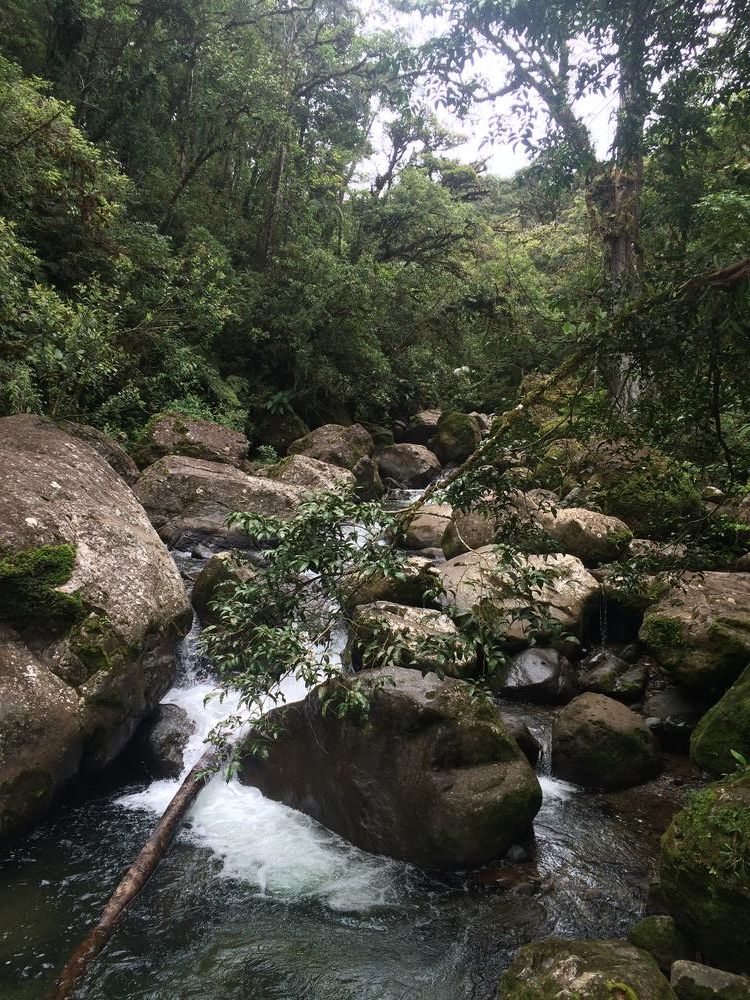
426 776
410 466
692 981
700 631
599 743
558 969
189 500
456 437
179 434
543 676
426 529
335 444
592 537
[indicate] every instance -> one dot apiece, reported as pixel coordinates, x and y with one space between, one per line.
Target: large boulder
542 676
426 776
723 729
693 981
90 606
659 935
593 537
583 970
421 427
466 531
599 743
483 583
307 473
700 631
705 858
672 715
189 500
417 580
348 447
426 529
456 437
112 453
223 568
390 634
411 466
178 434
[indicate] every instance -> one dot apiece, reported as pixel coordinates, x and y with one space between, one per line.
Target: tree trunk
135 878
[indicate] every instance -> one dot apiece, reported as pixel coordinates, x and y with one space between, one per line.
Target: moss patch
662 632
97 646
724 728
29 579
655 499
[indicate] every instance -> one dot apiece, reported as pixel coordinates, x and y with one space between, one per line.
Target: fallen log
134 880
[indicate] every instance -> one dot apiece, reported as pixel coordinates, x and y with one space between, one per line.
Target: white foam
554 788
278 850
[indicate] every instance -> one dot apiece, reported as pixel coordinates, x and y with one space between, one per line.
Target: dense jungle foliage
184 224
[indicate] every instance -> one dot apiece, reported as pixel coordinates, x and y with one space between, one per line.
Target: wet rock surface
426 777
543 676
161 740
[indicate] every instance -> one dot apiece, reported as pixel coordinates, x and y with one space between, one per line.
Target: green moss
655 499
456 437
660 937
29 579
662 632
724 728
705 871
98 647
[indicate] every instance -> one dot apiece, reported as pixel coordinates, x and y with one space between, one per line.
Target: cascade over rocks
409 465
543 676
348 447
480 582
188 500
427 777
723 729
599 743
90 605
557 969
700 631
179 434
420 638
705 857
306 473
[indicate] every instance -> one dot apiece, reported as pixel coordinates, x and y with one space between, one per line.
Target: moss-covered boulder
456 437
583 970
693 981
599 743
724 728
592 537
421 427
179 434
700 631
705 861
646 489
90 606
605 673
426 775
279 430
661 937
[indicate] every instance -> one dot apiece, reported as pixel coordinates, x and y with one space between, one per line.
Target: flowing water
257 902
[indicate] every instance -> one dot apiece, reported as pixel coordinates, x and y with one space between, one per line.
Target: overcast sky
502 158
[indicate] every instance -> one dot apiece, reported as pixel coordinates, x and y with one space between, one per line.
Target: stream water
257 902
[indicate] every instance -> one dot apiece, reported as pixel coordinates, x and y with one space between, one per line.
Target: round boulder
705 858
593 537
421 428
411 466
426 528
605 673
456 437
426 775
599 743
543 676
